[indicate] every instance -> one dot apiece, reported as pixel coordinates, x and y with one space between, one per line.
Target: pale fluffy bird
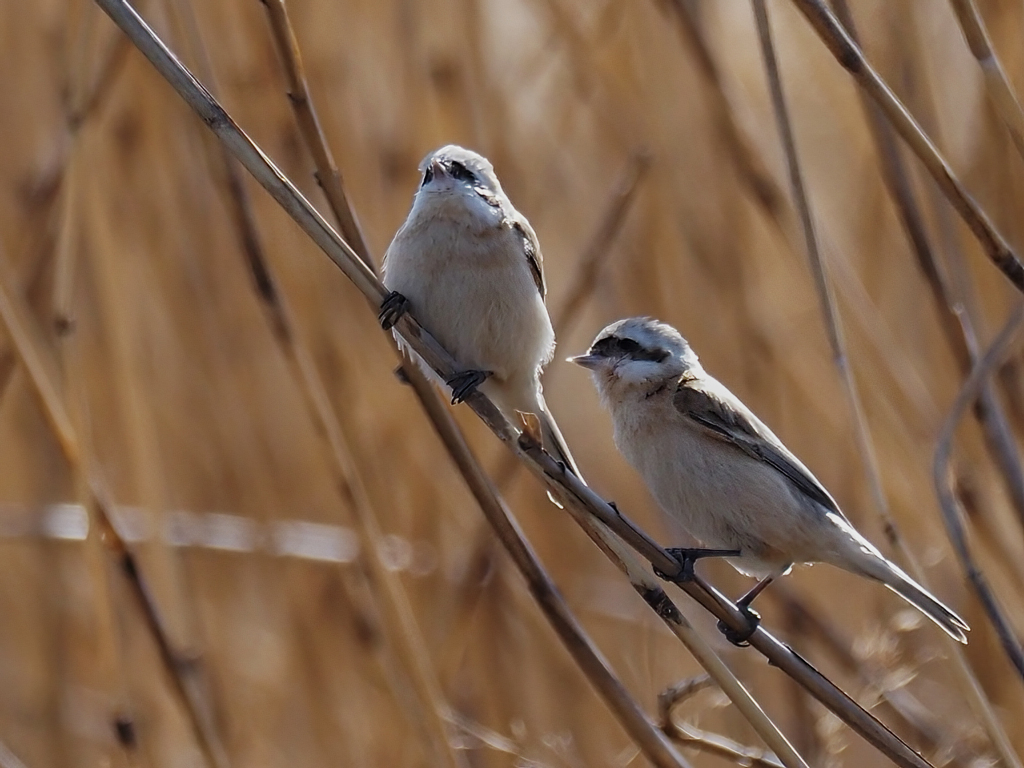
718 471
468 265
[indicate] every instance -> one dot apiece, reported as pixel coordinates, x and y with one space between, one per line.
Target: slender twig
850 56
713 744
748 161
996 82
710 743
574 492
8 759
327 173
676 694
951 509
595 254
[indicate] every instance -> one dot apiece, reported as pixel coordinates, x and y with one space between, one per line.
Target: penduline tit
468 266
718 471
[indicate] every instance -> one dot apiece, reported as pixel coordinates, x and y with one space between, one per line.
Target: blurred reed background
625 136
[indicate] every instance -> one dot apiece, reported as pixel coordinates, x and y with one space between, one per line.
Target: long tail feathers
904 586
554 443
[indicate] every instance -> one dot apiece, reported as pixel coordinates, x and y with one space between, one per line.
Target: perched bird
468 265
718 471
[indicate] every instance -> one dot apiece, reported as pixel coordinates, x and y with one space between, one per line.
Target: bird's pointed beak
437 168
593 362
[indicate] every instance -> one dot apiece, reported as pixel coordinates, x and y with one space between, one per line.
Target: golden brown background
115 217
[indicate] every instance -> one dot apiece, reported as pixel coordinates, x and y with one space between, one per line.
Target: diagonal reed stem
952 513
850 56
570 488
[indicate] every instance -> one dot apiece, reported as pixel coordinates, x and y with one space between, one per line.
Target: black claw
741 637
401 375
687 558
464 383
391 310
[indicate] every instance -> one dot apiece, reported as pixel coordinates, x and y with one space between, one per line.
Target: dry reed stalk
951 510
967 680
749 162
109 654
30 353
83 101
581 498
850 56
725 749
822 283
399 628
708 743
996 83
327 174
8 759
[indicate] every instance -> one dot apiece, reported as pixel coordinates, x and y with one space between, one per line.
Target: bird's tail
554 443
904 586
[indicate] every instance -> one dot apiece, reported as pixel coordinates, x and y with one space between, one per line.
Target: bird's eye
628 346
461 172
428 176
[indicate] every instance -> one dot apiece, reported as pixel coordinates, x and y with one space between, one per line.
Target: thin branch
749 163
327 173
676 694
8 759
595 254
850 56
951 509
719 746
709 743
996 82
576 494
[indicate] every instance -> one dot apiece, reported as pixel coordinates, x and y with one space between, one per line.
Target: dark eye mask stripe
614 346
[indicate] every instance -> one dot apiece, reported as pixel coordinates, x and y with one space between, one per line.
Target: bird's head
636 355
458 180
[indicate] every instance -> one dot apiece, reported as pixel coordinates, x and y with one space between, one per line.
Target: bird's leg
740 638
464 382
688 557
391 310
